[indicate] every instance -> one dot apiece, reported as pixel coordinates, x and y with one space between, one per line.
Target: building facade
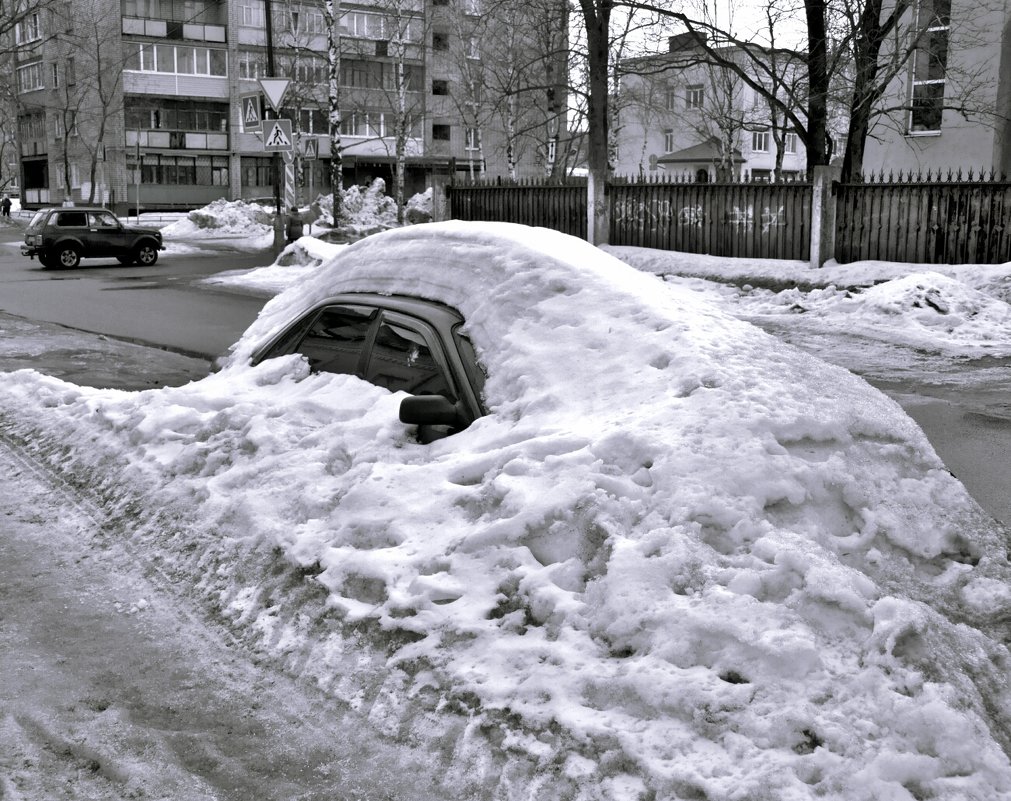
679 115
139 103
950 104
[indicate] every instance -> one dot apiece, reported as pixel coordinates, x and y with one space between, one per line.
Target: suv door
106 236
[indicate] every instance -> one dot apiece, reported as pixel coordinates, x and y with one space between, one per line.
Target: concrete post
823 213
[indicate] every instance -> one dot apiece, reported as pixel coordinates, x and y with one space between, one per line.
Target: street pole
276 159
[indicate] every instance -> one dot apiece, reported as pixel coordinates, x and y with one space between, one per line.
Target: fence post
823 214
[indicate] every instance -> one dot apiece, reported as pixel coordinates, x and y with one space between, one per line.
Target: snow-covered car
674 558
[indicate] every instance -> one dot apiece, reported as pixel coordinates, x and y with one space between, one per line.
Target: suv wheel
146 255
68 257
125 260
44 260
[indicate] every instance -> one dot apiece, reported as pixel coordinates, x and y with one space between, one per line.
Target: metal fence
759 220
751 219
931 219
560 205
926 219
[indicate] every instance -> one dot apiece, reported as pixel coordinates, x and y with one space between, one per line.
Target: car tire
67 257
146 254
125 260
44 260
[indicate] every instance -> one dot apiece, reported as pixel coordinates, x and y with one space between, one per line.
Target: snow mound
678 559
223 217
925 310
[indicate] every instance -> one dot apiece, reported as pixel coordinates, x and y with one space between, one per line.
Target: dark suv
61 237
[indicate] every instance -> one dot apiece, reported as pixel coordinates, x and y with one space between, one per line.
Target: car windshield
37 219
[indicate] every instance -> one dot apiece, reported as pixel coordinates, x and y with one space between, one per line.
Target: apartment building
679 115
950 106
139 102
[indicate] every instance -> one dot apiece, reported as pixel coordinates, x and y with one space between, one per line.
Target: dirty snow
678 558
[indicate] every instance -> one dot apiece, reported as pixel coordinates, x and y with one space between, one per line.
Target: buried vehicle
667 556
61 237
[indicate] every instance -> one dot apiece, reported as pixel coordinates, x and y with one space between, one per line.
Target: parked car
61 237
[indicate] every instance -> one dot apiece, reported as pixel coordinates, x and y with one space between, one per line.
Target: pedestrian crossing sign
277 136
251 110
310 149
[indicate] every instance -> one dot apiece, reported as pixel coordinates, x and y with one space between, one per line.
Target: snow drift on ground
956 310
678 559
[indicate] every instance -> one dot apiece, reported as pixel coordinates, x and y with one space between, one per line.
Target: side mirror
430 410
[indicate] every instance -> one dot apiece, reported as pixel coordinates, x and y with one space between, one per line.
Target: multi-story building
951 103
679 114
139 102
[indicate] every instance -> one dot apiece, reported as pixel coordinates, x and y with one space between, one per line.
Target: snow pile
959 311
222 218
293 265
678 559
368 209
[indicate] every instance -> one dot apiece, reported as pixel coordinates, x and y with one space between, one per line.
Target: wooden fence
931 219
924 219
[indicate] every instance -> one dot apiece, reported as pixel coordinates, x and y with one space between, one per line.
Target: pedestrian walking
295 225
5 205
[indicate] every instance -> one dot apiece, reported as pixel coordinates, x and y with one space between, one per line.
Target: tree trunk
818 84
333 13
597 16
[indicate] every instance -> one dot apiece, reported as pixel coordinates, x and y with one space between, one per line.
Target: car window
71 219
38 219
402 358
335 340
102 219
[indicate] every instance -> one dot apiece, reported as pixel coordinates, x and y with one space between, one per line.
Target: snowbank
678 559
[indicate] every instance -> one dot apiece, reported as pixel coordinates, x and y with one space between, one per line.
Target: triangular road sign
276 135
310 149
274 89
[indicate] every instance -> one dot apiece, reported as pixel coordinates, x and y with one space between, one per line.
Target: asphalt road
164 305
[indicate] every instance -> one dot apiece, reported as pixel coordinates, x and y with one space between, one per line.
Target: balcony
170 29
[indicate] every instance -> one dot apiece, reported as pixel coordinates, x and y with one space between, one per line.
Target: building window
28 29
440 133
172 59
668 141
670 99
790 143
695 96
71 72
760 142
55 70
472 139
440 87
252 14
929 65
440 40
30 77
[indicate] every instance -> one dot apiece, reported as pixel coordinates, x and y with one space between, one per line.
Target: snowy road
112 689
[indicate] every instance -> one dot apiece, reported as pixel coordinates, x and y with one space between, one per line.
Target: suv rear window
71 219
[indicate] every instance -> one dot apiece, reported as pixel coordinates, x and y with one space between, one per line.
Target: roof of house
708 151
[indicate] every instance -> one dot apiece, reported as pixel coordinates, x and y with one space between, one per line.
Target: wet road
163 305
